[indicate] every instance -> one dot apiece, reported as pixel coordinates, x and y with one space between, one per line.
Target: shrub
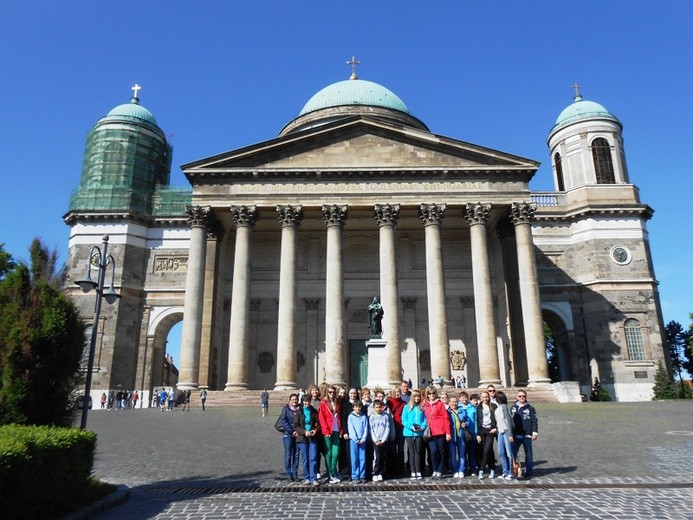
43 469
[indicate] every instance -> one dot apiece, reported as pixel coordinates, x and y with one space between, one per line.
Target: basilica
272 255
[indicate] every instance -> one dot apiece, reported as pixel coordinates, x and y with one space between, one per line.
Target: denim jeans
458 455
309 455
505 452
290 456
437 447
526 442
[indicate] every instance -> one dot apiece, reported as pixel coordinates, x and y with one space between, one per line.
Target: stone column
335 325
198 217
432 217
386 216
521 214
244 217
477 217
290 218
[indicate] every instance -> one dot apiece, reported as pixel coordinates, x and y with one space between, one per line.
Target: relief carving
163 264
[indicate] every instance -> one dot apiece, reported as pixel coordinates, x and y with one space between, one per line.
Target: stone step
247 398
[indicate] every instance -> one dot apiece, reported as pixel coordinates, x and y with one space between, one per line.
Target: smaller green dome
133 109
581 109
354 92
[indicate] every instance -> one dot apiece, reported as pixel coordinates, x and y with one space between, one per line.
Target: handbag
467 435
517 469
278 425
426 433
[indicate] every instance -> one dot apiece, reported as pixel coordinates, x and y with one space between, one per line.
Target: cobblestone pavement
592 460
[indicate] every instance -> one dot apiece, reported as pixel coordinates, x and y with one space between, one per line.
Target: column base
230 387
485 382
539 382
187 386
285 385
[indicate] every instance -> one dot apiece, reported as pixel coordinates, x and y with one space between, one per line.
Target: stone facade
285 243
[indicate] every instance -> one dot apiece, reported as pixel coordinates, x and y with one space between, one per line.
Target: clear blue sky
219 75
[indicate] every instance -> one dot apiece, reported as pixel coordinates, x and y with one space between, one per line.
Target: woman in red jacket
438 421
396 448
330 415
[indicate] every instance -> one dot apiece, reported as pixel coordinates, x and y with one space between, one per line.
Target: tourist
414 423
103 400
171 400
367 401
264 402
315 398
286 420
345 466
203 398
486 433
439 425
492 393
396 405
405 388
331 426
379 423
307 428
457 446
505 435
163 395
357 427
186 403
526 430
471 446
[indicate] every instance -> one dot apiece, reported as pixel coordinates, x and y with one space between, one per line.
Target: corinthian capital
432 213
198 216
290 215
386 214
522 212
334 215
244 216
477 213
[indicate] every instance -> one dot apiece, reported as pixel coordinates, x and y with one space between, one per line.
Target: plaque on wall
621 255
163 264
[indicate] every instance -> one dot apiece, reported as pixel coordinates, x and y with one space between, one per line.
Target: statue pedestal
376 364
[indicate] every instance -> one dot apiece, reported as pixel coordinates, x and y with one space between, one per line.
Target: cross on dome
136 89
353 62
578 97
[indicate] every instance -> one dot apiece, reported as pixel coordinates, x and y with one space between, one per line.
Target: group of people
120 400
363 435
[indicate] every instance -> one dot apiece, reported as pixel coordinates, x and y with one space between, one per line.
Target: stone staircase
250 398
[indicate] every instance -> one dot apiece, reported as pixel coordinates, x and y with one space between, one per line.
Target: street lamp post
101 261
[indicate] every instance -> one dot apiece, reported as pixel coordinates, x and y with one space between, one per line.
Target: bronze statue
375 318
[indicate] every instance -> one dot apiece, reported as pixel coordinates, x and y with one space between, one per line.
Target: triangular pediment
362 143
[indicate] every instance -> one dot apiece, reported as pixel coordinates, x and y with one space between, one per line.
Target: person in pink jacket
330 415
438 421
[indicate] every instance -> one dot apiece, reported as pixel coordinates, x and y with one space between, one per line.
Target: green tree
551 354
664 387
688 351
677 340
41 342
6 262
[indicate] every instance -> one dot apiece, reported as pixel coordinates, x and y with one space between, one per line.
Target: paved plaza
592 460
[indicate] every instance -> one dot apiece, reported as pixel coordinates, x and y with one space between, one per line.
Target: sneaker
481 475
316 483
418 476
334 480
492 474
413 476
306 482
317 476
508 477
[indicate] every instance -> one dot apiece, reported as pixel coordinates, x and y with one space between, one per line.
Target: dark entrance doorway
358 363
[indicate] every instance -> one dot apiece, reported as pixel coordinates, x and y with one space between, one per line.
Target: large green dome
354 92
582 109
133 109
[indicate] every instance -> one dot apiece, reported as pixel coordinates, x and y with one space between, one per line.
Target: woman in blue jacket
414 423
286 421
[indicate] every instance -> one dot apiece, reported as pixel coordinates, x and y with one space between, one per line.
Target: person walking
264 402
203 398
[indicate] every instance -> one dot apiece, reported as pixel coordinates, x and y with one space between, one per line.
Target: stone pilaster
432 217
521 214
244 217
198 218
335 324
290 218
477 217
386 215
